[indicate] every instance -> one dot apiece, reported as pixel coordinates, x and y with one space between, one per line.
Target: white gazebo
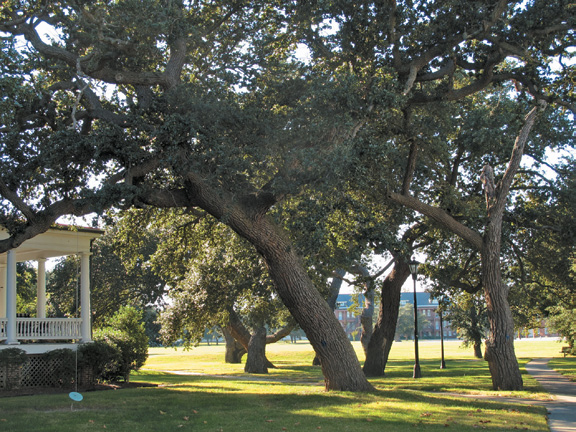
56 242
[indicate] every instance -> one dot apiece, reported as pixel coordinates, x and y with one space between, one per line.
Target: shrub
563 320
13 356
100 359
126 333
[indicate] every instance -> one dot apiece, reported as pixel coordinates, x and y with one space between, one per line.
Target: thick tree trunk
500 353
241 334
234 349
500 344
340 366
385 328
335 287
256 361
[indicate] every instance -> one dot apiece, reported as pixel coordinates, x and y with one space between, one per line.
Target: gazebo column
2 291
85 312
41 289
11 298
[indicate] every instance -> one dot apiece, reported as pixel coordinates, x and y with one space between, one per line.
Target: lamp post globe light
413 265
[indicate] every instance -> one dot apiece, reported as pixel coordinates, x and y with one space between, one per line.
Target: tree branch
503 187
19 203
440 216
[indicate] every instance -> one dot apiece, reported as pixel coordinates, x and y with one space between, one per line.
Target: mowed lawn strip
198 391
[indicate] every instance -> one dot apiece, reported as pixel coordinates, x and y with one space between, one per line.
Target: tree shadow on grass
204 403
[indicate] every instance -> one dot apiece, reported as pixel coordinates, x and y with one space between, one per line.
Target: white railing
44 328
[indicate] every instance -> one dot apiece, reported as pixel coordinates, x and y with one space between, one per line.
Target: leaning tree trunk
335 287
247 217
234 349
499 353
340 366
256 359
385 328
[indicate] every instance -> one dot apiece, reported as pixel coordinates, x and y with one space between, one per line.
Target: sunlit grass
197 391
566 366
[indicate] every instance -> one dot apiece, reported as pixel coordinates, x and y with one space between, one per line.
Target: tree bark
256 360
499 354
340 366
366 317
234 349
478 349
500 343
385 328
242 335
331 300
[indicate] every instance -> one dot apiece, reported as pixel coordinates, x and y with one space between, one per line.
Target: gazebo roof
61 240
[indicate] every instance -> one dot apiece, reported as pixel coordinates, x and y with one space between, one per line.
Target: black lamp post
413 265
442 362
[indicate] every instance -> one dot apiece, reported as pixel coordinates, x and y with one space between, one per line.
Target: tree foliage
118 278
125 332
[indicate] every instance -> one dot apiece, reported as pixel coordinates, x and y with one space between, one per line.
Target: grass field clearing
196 391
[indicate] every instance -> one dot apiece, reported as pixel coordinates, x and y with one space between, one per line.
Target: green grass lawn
197 391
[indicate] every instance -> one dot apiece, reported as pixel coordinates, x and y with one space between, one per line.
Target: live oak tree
459 213
204 105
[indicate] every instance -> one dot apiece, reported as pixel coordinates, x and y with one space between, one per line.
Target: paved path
561 410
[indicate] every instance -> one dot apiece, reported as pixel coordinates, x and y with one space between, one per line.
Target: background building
349 315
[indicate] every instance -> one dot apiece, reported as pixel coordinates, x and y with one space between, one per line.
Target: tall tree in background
26 288
116 278
204 105
217 281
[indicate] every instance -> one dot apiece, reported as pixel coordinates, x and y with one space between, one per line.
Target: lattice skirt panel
42 371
